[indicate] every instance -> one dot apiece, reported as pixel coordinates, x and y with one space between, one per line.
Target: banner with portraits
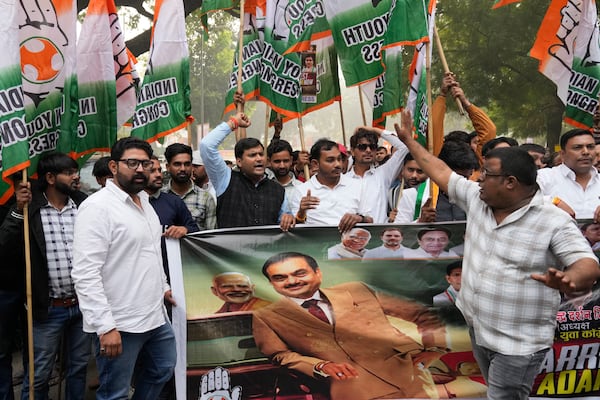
391 292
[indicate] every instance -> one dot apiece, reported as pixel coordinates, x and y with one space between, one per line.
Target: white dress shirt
117 263
560 182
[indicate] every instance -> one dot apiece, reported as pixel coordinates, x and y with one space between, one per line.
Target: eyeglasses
485 173
364 146
133 163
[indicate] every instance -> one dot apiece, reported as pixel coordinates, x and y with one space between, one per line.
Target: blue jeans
11 306
507 377
46 342
157 356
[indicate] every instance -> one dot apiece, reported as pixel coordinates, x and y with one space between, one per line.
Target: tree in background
488 51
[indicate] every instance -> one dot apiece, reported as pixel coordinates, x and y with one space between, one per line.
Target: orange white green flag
126 76
568 48
97 127
14 146
47 33
163 105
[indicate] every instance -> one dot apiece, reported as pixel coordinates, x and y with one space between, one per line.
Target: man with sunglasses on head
376 179
52 208
120 281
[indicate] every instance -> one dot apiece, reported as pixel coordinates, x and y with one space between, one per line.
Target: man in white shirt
391 247
575 182
330 197
432 244
119 279
377 180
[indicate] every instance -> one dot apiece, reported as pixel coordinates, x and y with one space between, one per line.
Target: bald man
237 291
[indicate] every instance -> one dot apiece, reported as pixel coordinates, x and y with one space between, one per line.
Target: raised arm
437 170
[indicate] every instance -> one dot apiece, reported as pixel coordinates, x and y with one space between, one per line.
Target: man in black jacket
52 209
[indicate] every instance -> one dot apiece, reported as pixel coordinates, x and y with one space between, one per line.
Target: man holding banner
511 281
343 334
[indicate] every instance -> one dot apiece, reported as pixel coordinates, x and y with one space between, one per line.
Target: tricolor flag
296 83
252 50
567 46
417 95
163 105
358 28
14 146
47 32
126 76
97 127
407 24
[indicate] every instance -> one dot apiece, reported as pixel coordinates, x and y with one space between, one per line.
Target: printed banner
163 104
226 293
14 146
568 48
97 125
47 32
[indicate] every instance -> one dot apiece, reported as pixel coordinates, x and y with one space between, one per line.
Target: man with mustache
575 182
280 156
120 281
245 196
330 197
52 207
237 291
343 334
198 201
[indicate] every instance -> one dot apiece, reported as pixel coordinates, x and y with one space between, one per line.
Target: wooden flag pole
240 132
362 107
343 125
28 294
429 101
303 147
438 44
267 119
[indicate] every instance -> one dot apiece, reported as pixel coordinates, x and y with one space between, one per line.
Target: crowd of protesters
100 280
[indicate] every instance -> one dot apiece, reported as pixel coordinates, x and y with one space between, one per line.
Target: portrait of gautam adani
342 334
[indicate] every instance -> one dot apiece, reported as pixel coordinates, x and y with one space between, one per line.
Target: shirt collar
121 194
316 296
570 174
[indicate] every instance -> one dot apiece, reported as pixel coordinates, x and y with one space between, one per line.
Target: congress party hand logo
215 385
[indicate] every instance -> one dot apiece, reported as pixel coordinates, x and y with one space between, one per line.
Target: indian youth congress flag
97 127
252 50
47 32
358 28
163 102
14 146
568 50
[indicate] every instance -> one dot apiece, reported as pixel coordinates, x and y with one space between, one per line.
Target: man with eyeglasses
52 207
521 252
120 281
377 180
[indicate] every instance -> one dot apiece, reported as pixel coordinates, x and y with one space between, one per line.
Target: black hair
362 133
516 162
100 168
245 144
452 266
279 146
571 134
487 147
459 136
177 148
121 145
53 163
280 257
320 145
458 155
423 231
536 148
